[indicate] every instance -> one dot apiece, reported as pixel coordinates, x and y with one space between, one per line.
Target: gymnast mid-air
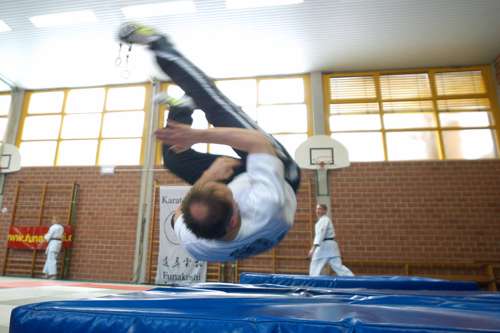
236 208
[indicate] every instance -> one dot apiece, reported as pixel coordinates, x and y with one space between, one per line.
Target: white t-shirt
326 248
266 204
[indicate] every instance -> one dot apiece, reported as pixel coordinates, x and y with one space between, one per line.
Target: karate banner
175 265
31 238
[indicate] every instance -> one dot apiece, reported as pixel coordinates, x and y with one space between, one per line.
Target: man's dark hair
323 206
219 212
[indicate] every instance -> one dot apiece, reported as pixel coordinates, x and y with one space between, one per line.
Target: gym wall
444 211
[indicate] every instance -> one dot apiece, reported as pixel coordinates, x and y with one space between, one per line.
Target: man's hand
178 136
178 213
221 169
311 251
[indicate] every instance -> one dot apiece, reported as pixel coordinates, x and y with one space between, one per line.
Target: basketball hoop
10 158
323 162
322 153
322 174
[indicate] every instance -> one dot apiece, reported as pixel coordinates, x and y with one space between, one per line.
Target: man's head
321 210
209 210
53 220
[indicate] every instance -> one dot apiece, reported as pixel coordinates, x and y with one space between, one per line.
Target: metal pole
8 82
317 102
146 191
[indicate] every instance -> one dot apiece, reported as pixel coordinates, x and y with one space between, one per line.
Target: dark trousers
219 111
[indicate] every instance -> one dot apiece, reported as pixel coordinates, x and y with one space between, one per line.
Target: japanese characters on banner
31 238
175 265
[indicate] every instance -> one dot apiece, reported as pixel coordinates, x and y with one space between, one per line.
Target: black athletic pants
219 111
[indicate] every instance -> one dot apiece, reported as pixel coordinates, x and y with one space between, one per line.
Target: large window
105 125
88 126
278 105
420 115
5 100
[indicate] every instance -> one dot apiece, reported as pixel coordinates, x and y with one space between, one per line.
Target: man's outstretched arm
182 136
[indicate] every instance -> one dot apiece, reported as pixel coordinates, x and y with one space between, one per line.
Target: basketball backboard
10 160
322 152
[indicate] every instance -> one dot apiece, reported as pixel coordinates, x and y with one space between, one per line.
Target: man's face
320 211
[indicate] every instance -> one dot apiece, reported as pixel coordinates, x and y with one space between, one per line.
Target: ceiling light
159 9
233 4
67 18
4 27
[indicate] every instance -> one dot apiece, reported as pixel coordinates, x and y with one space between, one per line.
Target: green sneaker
134 33
184 102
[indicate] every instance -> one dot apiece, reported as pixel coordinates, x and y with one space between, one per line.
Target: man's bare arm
178 213
180 135
251 141
221 169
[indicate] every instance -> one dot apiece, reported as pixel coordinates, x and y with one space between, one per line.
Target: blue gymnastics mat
251 308
369 282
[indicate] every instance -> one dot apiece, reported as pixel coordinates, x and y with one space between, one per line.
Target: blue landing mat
249 308
369 282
